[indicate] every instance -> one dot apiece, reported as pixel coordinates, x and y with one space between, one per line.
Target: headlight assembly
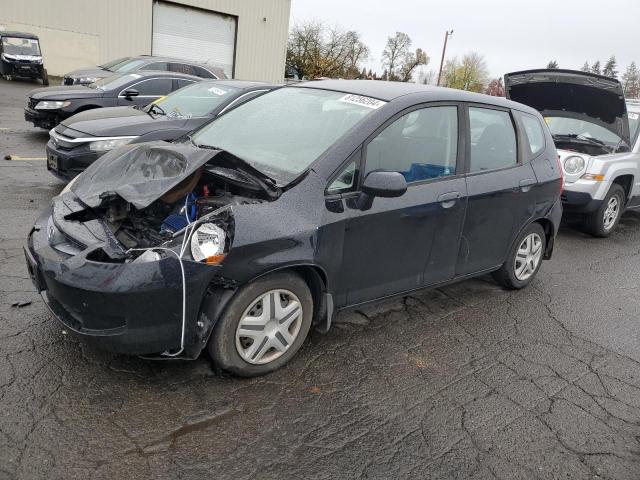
109 144
207 243
52 105
86 80
574 164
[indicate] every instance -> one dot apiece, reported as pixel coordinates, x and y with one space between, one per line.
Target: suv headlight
574 164
109 144
52 104
207 243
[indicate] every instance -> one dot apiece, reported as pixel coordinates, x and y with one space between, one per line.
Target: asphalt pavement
469 381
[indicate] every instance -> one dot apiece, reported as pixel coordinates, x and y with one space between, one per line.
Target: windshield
113 63
282 132
20 46
113 82
582 129
196 100
127 65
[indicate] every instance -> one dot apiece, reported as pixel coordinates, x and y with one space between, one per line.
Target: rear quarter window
534 133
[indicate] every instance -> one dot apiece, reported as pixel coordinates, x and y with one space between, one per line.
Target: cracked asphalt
469 381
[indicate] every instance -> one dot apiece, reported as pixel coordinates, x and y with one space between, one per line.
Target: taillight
561 174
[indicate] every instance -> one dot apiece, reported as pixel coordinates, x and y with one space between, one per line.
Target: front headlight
109 144
86 79
52 105
574 164
207 243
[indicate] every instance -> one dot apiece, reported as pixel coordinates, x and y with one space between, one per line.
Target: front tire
264 325
525 259
45 77
604 220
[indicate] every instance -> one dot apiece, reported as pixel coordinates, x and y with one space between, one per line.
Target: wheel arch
547 226
626 182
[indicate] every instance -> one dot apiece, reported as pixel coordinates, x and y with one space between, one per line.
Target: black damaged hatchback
302 202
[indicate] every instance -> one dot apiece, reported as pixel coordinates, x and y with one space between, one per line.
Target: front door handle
526 184
448 200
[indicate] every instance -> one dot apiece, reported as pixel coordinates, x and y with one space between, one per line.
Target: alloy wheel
611 213
269 326
528 256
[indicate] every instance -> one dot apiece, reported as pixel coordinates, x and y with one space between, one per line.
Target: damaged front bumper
132 307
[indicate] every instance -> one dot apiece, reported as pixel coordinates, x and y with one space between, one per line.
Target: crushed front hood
572 94
139 173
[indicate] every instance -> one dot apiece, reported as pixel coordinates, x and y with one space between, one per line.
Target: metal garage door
194 34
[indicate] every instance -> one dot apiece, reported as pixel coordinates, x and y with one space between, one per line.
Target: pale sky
512 36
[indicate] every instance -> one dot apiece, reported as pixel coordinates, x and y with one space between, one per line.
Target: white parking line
15 157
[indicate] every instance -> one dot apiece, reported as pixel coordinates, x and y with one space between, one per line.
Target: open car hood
572 94
139 173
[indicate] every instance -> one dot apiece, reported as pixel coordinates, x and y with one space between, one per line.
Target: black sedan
79 140
46 107
306 200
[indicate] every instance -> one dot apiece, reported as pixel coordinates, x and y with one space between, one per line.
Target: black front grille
67 81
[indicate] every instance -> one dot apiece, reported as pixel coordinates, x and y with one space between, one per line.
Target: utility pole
447 34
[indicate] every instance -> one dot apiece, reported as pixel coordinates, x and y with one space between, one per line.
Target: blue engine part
186 215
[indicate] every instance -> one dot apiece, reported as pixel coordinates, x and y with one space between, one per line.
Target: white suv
596 133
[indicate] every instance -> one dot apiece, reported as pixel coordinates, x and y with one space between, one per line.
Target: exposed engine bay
150 194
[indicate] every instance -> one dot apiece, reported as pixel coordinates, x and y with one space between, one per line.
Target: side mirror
381 184
130 92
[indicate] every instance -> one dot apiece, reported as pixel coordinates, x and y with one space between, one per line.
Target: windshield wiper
584 138
155 106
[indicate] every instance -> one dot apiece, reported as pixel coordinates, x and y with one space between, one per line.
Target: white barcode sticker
217 91
362 101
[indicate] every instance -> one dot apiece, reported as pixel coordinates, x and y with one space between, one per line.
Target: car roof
388 91
241 84
18 35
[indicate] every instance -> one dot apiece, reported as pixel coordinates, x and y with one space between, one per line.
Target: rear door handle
448 200
526 184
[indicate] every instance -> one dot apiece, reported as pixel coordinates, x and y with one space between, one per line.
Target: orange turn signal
592 176
214 259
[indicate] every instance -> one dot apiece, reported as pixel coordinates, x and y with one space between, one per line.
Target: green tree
631 81
609 69
553 65
596 68
470 73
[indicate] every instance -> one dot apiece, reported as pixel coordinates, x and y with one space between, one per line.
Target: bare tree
410 62
553 65
586 67
394 52
315 50
495 88
595 68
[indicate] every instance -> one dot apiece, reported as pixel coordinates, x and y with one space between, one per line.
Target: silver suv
596 133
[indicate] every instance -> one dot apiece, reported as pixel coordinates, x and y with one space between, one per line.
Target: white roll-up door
194 34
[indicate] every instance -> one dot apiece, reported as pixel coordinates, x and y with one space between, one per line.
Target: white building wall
80 33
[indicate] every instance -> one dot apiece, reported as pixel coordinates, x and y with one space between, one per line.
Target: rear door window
154 87
421 145
182 68
493 139
203 72
161 66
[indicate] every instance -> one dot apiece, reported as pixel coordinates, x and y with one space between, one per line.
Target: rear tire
604 220
264 325
45 77
525 259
